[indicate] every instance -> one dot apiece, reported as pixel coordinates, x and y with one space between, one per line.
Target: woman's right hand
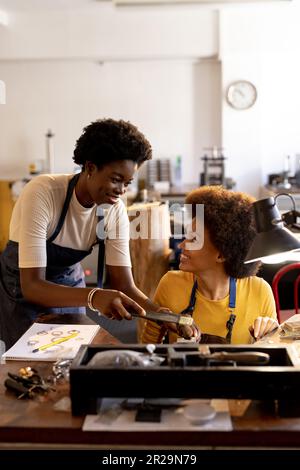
115 305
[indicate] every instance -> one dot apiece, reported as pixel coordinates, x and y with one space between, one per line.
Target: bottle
144 195
178 171
285 174
287 165
33 169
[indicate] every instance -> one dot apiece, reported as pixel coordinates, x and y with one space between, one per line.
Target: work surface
35 423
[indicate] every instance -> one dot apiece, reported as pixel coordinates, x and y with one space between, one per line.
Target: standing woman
53 227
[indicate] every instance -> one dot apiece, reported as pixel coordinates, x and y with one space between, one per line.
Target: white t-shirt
36 214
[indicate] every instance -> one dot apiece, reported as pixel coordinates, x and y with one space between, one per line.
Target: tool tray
187 372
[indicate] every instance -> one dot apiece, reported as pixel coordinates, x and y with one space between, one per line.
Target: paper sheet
114 418
40 334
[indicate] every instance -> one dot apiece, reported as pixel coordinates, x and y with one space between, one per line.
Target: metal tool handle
166 317
17 387
247 357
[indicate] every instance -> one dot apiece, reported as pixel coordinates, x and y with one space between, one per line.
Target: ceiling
41 5
25 5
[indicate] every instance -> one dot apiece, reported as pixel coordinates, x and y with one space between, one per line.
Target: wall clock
241 94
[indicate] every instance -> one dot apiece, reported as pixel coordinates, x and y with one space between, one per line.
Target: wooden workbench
32 424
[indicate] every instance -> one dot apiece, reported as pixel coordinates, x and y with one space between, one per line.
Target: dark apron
63 267
208 338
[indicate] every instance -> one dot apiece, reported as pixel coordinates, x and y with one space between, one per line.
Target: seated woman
227 301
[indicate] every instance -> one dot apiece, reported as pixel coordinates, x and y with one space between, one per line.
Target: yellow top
254 298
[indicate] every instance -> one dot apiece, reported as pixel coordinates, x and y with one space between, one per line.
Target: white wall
101 30
261 44
2 92
151 75
280 100
65 96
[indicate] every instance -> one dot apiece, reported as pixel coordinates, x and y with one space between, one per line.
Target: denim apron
208 338
63 267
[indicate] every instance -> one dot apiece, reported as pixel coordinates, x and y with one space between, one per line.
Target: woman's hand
184 331
115 305
189 332
262 326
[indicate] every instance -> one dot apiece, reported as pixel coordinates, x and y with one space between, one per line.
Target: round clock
241 94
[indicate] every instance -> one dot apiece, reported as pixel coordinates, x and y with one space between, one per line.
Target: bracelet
90 298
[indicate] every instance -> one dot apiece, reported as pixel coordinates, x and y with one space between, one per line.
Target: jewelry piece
60 371
90 298
53 339
56 333
27 371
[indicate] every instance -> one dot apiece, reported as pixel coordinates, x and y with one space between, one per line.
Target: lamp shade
272 237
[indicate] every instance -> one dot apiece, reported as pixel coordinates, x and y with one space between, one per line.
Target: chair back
278 276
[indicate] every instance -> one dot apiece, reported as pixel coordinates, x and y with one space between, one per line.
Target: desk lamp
274 243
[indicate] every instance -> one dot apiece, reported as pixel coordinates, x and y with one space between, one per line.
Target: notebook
50 342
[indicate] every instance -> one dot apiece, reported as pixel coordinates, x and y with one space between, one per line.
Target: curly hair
107 140
228 217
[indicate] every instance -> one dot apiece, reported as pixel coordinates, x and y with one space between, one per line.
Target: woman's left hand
184 331
262 326
189 332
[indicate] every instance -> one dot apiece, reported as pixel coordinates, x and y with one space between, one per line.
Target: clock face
241 94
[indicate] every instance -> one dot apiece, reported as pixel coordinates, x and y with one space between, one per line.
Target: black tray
183 377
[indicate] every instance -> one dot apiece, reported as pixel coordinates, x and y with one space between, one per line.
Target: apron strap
71 186
232 303
101 254
101 251
232 292
229 326
190 308
100 267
